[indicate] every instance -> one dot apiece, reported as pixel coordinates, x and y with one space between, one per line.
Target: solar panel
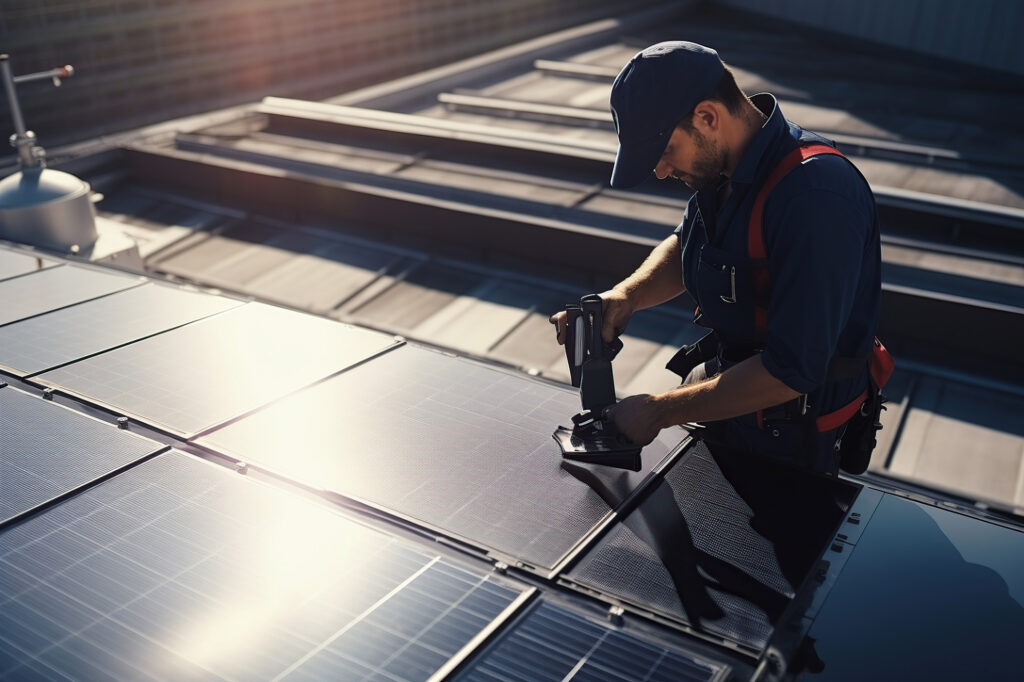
552 644
721 544
447 442
202 374
54 288
47 451
61 336
179 569
924 594
14 263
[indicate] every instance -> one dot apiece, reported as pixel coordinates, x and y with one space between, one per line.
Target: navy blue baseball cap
651 95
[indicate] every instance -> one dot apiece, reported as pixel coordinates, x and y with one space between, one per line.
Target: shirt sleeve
816 249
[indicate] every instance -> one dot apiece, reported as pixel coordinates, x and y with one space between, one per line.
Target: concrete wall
987 33
144 61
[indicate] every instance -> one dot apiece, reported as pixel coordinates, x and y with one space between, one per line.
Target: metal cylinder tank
47 208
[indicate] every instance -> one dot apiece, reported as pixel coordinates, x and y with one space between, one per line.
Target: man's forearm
742 389
658 279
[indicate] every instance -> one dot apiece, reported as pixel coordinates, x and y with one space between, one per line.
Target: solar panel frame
38 423
153 558
214 442
551 641
40 333
15 263
101 366
43 291
740 576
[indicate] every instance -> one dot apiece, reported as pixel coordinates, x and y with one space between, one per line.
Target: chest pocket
726 294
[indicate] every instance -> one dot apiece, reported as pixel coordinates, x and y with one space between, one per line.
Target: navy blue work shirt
821 233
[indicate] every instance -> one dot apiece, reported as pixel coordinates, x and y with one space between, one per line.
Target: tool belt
856 422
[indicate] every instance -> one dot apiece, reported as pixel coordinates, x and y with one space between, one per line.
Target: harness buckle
731 298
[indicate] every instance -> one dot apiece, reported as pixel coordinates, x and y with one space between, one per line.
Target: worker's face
693 158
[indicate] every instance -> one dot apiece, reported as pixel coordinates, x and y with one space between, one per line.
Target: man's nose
662 170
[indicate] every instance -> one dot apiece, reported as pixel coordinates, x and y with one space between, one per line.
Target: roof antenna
41 206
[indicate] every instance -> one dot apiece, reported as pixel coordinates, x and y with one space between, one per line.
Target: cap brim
635 161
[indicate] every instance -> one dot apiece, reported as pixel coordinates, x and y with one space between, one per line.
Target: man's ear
707 116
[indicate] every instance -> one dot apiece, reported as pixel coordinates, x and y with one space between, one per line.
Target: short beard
709 164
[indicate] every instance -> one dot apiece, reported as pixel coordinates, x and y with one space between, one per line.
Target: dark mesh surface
721 544
448 442
181 570
552 644
47 450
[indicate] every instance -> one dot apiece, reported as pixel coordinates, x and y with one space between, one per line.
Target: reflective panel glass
54 288
179 569
64 335
47 450
553 644
722 543
927 594
200 375
451 443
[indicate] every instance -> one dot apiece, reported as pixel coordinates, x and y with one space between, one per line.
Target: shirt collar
775 126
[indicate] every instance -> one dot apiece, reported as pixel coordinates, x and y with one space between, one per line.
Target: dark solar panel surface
13 263
54 288
552 644
202 374
178 569
47 450
722 543
447 442
71 333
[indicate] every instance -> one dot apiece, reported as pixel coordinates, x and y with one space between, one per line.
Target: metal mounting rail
593 71
425 125
854 144
600 155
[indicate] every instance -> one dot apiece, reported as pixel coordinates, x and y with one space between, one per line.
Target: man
794 326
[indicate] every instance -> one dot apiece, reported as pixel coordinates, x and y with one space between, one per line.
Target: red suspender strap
755 236
881 362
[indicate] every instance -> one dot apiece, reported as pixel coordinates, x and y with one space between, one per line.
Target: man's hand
616 309
636 417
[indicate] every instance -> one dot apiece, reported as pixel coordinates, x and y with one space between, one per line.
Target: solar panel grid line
49 452
552 643
45 339
75 491
451 418
486 635
449 609
71 598
170 580
51 294
17 263
398 343
200 375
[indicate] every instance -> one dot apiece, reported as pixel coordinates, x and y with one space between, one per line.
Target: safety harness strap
756 250
880 361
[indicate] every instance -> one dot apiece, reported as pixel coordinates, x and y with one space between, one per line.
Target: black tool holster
691 355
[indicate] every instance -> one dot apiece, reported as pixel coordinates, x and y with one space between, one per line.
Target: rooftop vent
41 206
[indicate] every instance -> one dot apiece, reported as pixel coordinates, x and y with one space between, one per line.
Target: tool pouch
691 355
860 437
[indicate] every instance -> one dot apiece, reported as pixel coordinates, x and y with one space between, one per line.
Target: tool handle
592 307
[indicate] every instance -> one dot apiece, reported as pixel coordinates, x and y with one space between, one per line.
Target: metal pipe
22 140
65 71
12 96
